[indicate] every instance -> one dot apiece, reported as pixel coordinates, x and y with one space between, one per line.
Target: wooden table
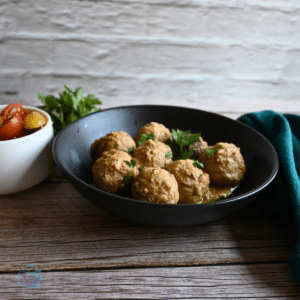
86 253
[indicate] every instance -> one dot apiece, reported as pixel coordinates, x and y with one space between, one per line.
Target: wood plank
255 281
54 227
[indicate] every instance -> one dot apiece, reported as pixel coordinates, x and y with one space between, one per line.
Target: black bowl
71 150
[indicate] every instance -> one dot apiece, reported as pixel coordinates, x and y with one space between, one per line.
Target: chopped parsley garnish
144 137
130 150
128 177
168 154
198 164
211 152
131 164
142 168
182 139
69 107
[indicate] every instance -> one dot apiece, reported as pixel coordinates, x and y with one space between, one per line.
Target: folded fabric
283 201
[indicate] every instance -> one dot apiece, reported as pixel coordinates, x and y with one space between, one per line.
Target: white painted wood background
234 55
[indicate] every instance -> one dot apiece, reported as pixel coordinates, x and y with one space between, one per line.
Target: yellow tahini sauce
216 192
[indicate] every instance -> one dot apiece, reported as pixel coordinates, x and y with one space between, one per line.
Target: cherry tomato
12 109
11 127
34 120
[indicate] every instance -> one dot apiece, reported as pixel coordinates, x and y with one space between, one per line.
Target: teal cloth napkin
283 194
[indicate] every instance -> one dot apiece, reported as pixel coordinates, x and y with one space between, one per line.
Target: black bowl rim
219 202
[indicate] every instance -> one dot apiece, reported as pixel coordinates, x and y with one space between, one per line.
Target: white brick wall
151 48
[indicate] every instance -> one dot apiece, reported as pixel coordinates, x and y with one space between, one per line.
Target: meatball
153 154
199 147
155 185
109 170
193 183
119 140
161 133
226 166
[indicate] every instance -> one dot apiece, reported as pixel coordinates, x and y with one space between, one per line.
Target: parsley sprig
130 150
131 164
69 107
182 139
144 137
198 164
168 154
211 152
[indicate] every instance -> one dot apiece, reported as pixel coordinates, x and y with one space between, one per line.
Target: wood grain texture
55 228
256 281
86 253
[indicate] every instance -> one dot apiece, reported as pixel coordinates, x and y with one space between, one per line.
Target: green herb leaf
211 152
128 163
176 149
69 107
68 90
198 164
128 177
142 168
131 164
130 150
49 101
71 117
187 154
67 102
168 154
144 137
182 139
78 95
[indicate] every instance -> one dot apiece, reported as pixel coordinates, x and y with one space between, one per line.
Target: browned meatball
199 148
153 154
119 140
109 170
226 166
155 185
161 133
193 183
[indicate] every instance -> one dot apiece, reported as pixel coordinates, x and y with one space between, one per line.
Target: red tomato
12 109
12 127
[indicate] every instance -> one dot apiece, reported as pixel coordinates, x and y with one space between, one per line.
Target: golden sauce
215 192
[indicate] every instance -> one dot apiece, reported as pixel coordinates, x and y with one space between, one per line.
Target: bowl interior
72 146
49 124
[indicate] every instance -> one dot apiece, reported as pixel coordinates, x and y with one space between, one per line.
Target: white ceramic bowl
24 161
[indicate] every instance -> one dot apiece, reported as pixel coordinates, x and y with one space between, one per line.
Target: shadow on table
264 242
